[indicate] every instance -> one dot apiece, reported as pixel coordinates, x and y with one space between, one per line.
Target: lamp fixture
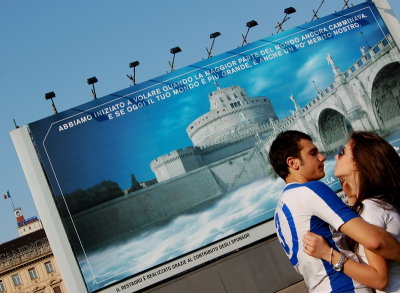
249 24
92 81
50 96
173 51
287 11
133 65
212 36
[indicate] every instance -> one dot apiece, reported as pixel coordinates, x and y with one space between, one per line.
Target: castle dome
231 112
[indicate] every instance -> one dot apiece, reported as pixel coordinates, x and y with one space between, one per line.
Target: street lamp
50 96
287 11
212 36
173 52
346 4
92 81
133 65
249 24
315 13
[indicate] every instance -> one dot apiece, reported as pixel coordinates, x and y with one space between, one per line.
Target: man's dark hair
285 145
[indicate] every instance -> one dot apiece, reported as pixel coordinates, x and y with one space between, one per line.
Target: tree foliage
83 199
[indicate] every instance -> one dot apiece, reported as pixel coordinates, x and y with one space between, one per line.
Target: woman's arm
372 238
374 275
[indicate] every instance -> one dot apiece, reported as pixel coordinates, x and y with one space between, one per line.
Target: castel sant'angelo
231 126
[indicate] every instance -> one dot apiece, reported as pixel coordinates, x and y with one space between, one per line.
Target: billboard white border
390 20
47 209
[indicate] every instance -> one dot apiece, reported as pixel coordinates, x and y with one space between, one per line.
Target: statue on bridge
296 106
335 69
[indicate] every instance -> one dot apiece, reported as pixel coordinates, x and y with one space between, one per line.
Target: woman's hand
316 246
374 275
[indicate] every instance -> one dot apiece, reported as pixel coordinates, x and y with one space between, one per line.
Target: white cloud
314 63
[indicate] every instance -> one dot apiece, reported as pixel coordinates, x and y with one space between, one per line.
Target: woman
369 169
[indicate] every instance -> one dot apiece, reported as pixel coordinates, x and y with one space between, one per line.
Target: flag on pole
7 195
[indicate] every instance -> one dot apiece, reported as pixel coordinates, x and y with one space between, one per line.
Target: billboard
169 174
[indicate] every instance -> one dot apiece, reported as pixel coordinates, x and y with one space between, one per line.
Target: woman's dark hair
378 165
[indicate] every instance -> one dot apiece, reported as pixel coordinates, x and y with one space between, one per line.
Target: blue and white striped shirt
314 207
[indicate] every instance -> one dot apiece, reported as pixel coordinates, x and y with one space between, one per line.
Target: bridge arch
385 96
333 129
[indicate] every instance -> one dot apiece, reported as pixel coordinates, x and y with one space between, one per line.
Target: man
309 205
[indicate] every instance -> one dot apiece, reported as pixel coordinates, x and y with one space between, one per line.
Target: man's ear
293 163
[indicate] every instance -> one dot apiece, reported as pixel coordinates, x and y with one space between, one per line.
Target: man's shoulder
318 187
313 185
311 188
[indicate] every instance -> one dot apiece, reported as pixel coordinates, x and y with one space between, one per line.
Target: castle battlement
175 155
212 116
231 110
369 56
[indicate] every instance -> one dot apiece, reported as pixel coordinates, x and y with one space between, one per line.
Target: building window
376 49
16 280
2 287
57 289
33 273
49 267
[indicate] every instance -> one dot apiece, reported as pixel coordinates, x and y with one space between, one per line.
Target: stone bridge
364 97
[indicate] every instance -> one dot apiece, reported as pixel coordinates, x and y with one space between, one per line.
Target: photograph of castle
156 172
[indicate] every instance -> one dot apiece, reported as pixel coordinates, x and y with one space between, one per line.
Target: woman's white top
388 219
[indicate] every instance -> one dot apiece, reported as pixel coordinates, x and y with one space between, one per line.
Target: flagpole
12 202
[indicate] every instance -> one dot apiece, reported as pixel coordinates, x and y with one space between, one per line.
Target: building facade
27 264
26 226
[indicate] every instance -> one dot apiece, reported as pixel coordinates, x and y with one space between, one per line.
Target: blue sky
56 47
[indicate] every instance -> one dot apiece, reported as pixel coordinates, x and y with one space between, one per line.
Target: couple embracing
340 247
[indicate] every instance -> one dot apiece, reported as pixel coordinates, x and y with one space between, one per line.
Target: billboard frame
44 200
